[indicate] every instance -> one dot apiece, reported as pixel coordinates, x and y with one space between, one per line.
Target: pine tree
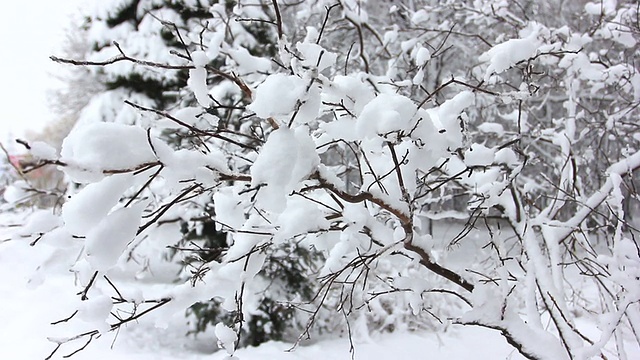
168 32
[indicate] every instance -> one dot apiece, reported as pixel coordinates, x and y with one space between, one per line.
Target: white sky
29 32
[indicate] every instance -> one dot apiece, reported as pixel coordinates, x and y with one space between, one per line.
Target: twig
167 207
324 23
65 319
278 17
84 292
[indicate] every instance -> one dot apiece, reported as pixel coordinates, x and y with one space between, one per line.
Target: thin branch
118 58
167 207
278 18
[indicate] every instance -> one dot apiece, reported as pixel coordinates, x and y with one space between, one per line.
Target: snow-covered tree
98 96
354 126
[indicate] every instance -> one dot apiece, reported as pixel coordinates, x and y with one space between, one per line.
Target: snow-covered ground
36 289
29 304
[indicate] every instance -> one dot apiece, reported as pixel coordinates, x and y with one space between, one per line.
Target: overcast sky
29 32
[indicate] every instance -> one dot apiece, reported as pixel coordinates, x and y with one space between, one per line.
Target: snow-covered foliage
358 126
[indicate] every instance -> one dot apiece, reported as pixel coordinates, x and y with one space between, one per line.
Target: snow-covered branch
302 160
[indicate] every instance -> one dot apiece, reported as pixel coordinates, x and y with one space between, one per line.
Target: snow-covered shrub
359 129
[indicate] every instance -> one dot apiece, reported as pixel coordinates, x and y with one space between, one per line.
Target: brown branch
59 343
158 304
167 207
118 58
426 261
173 25
445 291
361 44
65 319
324 23
233 177
83 293
91 335
146 184
459 82
191 128
278 18
516 343
357 198
14 166
123 57
398 170
137 168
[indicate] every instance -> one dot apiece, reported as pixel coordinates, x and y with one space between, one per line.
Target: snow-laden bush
362 128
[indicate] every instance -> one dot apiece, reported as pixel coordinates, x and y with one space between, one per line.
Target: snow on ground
30 300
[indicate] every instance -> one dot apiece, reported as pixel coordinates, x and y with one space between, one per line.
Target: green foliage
271 323
287 267
127 12
152 88
205 314
264 35
286 273
190 12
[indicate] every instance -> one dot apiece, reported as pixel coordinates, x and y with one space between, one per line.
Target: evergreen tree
169 32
